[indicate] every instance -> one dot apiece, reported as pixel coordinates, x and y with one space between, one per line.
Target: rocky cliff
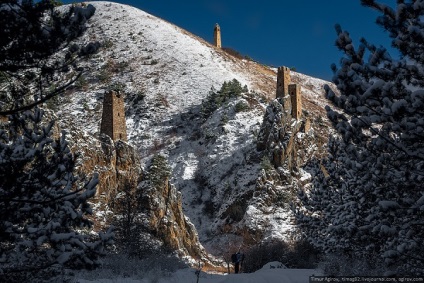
167 75
155 215
116 162
285 144
162 207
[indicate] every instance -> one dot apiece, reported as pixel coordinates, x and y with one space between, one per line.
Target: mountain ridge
167 74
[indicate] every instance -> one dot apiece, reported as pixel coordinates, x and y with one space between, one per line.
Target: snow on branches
369 206
43 205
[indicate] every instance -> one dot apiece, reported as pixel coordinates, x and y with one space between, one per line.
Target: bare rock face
117 163
162 206
157 209
280 145
277 135
276 185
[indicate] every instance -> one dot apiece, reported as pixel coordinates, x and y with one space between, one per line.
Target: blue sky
294 33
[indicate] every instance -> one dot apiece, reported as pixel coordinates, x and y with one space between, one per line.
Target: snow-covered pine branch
43 205
369 207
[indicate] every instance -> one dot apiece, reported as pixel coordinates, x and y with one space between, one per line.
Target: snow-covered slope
166 73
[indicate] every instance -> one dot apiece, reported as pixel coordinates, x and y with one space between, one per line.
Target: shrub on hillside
241 106
233 52
216 99
159 170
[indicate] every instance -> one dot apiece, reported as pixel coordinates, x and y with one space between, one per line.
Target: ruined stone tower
283 81
217 36
113 118
290 93
296 100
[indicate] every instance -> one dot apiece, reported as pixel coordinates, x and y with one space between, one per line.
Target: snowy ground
270 273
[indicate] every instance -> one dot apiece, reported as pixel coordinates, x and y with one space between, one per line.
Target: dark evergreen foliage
43 206
42 203
128 221
158 171
216 99
299 254
369 204
30 34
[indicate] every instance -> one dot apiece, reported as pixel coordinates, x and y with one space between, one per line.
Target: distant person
237 259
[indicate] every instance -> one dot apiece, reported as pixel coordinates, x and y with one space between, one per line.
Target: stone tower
296 100
217 36
283 81
113 118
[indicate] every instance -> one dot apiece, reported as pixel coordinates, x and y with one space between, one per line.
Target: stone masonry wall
296 100
217 36
283 81
113 118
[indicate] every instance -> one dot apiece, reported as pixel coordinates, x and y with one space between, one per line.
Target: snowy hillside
166 73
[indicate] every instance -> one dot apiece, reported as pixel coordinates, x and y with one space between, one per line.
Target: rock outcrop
117 163
277 135
162 207
277 184
157 208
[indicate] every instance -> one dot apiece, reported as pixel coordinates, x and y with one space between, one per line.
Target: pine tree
371 205
128 221
216 99
43 205
159 171
30 34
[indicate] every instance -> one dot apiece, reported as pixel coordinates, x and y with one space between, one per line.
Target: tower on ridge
296 100
113 117
289 93
217 36
283 81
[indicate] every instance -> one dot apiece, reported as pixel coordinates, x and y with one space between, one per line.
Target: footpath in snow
268 274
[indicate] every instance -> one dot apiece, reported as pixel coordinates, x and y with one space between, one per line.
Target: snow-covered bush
294 254
159 171
241 106
341 265
119 266
216 99
266 164
370 205
43 205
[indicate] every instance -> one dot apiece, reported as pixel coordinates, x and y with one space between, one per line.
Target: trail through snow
268 274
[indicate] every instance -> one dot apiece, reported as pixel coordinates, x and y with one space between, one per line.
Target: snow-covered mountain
166 73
